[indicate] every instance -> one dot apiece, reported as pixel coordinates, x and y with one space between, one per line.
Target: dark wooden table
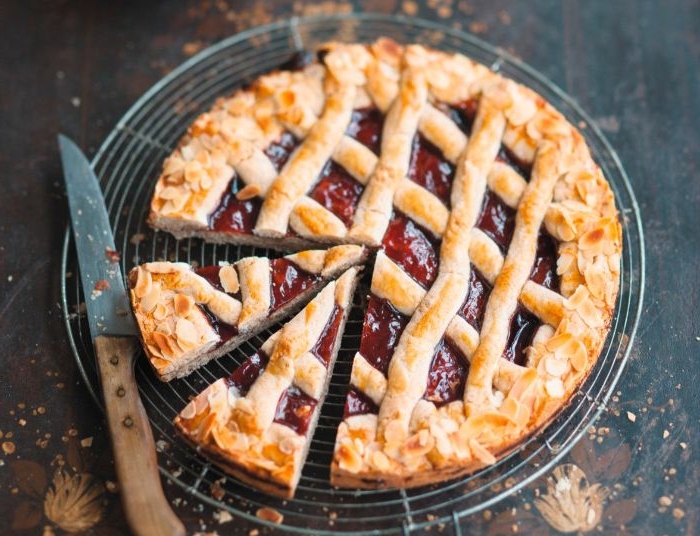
75 67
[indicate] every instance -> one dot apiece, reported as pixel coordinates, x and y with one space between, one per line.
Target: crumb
683 445
223 516
22 422
72 432
678 513
478 27
504 17
631 416
86 442
41 410
162 445
191 48
9 279
112 255
253 532
8 447
75 101
111 486
102 284
665 501
269 514
410 7
216 490
136 238
665 434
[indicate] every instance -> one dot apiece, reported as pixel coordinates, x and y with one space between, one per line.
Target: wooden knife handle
147 510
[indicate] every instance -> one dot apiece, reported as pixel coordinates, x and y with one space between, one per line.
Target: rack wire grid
128 163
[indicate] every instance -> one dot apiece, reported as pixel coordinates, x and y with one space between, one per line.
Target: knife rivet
114 359
121 392
128 422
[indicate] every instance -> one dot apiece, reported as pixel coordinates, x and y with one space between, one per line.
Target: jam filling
225 331
523 325
366 127
413 248
472 309
295 409
287 281
324 346
239 216
358 403
430 169
246 374
380 333
338 192
447 376
211 274
463 114
544 271
507 156
497 220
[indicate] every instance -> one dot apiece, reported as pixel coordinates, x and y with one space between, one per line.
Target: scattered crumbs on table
665 500
223 516
75 101
269 514
678 513
665 434
86 442
8 447
631 416
683 445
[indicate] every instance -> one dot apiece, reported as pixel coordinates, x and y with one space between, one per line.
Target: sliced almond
183 304
229 279
186 332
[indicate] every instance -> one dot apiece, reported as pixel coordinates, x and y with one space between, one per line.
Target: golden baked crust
239 431
167 300
412 441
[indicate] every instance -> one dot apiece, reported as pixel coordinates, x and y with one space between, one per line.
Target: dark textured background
76 67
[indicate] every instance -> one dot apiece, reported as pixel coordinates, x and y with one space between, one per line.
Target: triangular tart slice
257 424
188 316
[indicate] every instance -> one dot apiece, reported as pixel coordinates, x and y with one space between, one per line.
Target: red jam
472 309
366 127
497 220
523 325
233 215
358 403
295 410
236 216
338 192
447 375
463 114
380 333
211 274
430 169
412 248
279 151
324 346
544 271
225 331
507 156
248 371
287 281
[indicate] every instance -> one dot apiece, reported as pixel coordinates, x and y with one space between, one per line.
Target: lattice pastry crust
243 431
409 439
179 311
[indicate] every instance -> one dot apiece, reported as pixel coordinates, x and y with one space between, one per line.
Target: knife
114 335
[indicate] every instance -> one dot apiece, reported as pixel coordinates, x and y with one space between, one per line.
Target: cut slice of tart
188 316
258 423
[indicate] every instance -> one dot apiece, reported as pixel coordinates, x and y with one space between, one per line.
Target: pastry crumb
664 501
269 514
665 434
86 442
631 416
678 513
683 445
75 101
223 516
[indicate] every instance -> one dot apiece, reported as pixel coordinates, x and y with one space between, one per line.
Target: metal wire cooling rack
128 163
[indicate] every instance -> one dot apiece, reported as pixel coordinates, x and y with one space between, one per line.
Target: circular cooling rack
128 164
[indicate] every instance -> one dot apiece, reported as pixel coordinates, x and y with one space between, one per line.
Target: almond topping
249 191
380 461
189 411
183 304
555 388
186 332
229 279
144 281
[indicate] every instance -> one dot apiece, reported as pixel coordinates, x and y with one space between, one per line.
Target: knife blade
114 334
